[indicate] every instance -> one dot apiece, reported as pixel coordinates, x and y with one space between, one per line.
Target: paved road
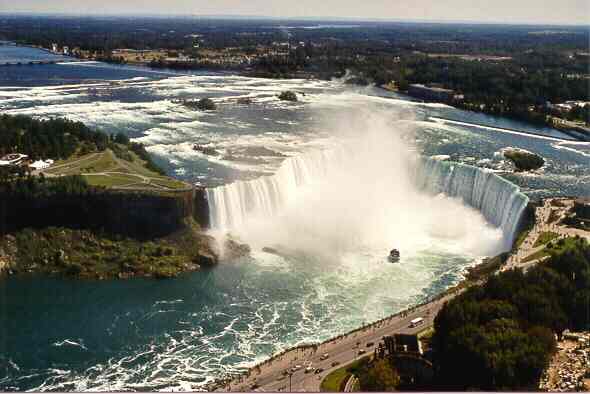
341 350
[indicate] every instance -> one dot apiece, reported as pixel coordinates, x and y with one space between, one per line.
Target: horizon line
291 18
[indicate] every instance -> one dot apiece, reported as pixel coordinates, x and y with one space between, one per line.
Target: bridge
38 62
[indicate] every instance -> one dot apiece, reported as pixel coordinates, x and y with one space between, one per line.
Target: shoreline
311 77
222 383
276 365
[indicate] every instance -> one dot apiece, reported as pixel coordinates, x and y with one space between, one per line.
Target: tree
500 336
122 139
380 376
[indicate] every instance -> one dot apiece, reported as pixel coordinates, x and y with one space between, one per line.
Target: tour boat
393 256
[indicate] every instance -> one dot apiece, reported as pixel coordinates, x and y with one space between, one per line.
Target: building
433 93
12 159
402 343
41 165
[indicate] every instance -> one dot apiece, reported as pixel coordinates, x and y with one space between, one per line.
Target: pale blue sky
508 11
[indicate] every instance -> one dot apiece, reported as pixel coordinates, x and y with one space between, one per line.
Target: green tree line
500 336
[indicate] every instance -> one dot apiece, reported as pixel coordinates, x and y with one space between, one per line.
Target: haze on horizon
569 12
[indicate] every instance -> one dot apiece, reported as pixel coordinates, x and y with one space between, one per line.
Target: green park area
336 380
106 169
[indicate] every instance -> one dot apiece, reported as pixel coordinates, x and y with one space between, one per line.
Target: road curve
342 350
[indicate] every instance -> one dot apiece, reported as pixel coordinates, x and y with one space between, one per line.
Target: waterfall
231 205
499 201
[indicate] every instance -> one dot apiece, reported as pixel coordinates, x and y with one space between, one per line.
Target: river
61 334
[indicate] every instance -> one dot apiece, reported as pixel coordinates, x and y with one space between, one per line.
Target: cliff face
107 235
201 208
132 214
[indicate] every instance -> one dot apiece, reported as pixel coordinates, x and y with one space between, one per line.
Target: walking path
286 371
271 376
547 220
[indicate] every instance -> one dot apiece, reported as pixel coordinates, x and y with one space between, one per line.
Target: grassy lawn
73 165
111 180
168 182
545 237
335 381
537 255
556 246
104 169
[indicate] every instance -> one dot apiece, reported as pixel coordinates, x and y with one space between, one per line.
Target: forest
42 139
500 336
508 70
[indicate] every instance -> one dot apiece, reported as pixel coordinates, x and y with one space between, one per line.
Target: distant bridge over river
37 62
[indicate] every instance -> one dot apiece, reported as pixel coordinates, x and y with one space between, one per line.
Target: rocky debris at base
207 259
233 250
7 253
91 255
569 370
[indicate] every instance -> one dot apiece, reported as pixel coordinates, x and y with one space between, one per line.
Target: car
369 344
325 356
334 363
318 370
362 351
308 369
296 368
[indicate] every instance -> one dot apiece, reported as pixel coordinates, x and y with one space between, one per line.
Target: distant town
532 73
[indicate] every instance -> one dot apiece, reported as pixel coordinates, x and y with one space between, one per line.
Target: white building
12 159
41 165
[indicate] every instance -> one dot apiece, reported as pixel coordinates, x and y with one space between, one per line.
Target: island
102 208
523 160
288 96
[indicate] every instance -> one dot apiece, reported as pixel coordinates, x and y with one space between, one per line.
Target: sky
504 11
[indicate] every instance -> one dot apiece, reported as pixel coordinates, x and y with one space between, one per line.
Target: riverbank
270 375
85 254
572 134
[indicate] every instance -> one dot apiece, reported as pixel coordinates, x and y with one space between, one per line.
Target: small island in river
523 160
101 209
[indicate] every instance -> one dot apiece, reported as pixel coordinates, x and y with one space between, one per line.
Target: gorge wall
139 215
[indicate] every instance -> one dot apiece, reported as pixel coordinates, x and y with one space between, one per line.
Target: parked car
362 351
318 370
325 356
369 344
334 363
